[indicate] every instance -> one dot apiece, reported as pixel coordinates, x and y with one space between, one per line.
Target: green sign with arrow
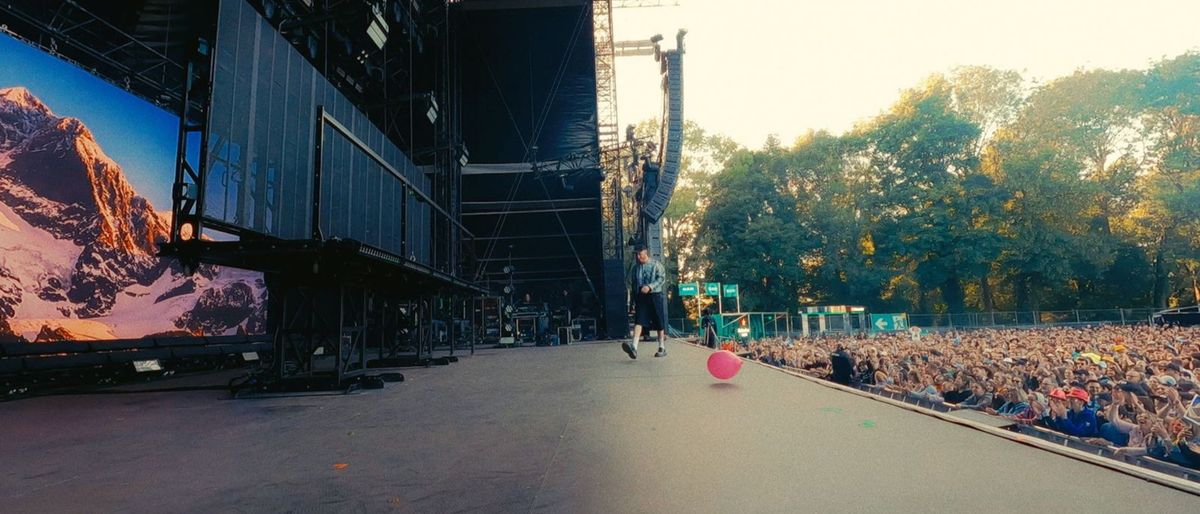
889 322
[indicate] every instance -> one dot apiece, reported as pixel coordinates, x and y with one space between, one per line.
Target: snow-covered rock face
76 241
21 114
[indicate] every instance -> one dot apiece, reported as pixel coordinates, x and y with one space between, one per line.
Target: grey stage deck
566 429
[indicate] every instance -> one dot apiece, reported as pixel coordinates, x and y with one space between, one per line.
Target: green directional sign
889 322
689 289
712 288
731 290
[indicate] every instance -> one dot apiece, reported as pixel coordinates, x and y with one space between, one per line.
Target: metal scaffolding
611 162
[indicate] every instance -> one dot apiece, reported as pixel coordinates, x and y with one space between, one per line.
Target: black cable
567 234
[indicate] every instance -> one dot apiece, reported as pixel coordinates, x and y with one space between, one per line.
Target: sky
752 67
759 67
139 136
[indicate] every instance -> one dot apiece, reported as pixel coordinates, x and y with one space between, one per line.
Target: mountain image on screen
77 244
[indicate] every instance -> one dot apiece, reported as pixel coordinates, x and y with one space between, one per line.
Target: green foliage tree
975 190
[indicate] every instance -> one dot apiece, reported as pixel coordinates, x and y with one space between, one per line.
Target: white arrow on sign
881 324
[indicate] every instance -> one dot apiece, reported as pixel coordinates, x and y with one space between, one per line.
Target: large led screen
86 171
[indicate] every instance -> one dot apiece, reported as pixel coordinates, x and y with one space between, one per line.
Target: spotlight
147 366
432 112
269 9
508 290
312 45
377 30
430 105
463 155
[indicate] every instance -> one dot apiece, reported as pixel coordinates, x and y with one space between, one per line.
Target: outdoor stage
578 428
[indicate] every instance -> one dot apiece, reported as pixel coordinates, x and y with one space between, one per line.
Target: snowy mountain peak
57 177
74 127
77 243
19 98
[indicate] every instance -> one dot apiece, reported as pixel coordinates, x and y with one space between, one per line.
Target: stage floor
578 428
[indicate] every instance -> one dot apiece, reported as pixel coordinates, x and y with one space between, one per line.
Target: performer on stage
650 311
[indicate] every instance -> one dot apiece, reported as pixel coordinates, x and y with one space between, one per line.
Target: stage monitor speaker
616 300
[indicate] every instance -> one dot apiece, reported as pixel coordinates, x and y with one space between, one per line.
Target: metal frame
187 193
325 118
612 218
94 37
606 130
306 325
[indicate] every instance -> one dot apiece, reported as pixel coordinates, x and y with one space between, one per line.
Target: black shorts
650 311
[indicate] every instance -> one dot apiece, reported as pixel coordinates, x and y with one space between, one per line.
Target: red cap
1079 394
1058 394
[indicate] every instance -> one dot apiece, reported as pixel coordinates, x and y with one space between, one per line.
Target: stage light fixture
312 45
432 112
508 290
377 30
464 156
430 105
147 366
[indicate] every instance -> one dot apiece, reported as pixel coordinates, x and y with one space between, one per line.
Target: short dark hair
640 248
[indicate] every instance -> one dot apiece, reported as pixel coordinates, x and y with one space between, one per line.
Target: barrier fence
781 324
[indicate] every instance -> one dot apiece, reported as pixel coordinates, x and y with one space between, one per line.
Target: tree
1166 220
749 229
974 190
1066 166
922 153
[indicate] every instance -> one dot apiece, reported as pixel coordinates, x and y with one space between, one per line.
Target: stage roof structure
531 193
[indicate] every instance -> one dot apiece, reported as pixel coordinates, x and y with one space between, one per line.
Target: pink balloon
724 364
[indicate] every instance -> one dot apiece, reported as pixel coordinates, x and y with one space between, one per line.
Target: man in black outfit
647 279
843 366
709 325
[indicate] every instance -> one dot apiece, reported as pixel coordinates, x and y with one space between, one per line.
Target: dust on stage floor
578 428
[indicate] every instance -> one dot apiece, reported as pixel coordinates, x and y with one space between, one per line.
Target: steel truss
187 194
320 335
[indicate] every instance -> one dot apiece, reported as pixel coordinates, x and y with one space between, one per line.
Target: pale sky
756 67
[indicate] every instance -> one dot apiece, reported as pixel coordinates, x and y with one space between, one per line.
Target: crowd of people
1132 388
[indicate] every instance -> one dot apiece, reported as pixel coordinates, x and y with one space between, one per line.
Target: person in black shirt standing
843 366
709 325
